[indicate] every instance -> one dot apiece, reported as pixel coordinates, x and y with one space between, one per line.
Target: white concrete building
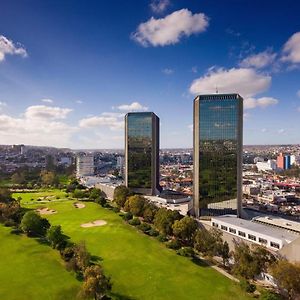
269 165
254 232
85 165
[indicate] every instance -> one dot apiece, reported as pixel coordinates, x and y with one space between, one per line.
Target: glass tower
218 142
142 152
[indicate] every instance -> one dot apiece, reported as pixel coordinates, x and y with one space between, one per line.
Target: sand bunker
79 205
94 223
46 211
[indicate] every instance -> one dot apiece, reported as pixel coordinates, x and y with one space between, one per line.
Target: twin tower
217 155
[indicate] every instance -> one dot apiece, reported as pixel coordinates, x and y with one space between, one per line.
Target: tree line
183 234
96 284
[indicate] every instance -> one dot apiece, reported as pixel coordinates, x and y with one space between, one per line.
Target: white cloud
134 106
8 47
190 127
46 112
113 123
168 71
281 131
36 128
47 100
2 104
260 102
170 29
246 82
298 93
259 60
159 6
291 49
79 101
264 130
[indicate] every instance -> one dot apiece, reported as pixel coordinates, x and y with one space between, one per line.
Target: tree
224 252
96 285
149 212
207 242
18 178
56 237
185 229
120 195
95 194
48 178
287 276
135 205
164 220
34 224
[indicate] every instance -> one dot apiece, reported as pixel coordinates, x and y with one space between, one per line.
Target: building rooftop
279 223
272 232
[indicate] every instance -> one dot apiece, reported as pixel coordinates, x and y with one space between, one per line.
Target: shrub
247 286
144 227
173 244
116 209
127 216
186 251
153 232
268 295
135 222
9 223
162 238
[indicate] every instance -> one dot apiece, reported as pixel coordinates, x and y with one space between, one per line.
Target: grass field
140 266
30 270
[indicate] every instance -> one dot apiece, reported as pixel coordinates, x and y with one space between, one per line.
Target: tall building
218 145
280 161
85 164
142 152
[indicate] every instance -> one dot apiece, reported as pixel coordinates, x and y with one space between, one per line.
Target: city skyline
74 87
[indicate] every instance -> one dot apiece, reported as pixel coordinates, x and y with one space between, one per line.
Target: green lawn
140 266
30 270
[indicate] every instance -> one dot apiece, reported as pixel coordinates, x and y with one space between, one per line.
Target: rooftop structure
272 238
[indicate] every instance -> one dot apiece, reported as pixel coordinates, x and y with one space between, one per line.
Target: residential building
218 130
142 152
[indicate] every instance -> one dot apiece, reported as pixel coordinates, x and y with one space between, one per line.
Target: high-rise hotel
142 152
218 142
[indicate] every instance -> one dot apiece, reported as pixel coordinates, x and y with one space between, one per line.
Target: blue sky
70 70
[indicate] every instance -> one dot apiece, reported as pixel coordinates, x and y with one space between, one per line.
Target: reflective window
218 146
139 150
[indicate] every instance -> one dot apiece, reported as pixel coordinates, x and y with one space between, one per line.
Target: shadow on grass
43 241
118 296
199 262
96 259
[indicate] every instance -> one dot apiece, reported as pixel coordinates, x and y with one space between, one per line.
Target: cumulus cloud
246 82
291 49
46 112
47 100
159 6
36 128
134 106
8 47
168 71
260 60
114 123
170 29
262 102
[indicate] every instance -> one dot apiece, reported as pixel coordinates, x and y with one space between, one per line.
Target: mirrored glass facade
142 152
217 154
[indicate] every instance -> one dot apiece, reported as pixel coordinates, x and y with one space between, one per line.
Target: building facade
142 152
85 164
218 143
